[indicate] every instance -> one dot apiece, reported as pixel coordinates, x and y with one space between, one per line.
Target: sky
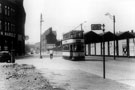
65 15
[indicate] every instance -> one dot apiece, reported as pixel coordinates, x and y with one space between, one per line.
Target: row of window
73 47
5 47
7 10
77 34
8 34
7 26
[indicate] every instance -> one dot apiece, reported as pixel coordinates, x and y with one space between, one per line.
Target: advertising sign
95 26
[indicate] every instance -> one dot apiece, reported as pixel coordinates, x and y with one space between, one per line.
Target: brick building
12 20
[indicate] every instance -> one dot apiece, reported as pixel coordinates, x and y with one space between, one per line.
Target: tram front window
65 47
79 47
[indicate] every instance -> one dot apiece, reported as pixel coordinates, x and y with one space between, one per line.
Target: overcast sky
65 15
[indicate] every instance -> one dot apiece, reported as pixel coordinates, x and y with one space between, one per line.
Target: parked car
5 56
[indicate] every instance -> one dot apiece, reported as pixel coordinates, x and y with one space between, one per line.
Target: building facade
12 21
49 39
124 44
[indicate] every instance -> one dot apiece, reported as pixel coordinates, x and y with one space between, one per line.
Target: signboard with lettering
96 27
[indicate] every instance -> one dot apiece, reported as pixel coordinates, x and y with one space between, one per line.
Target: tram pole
113 18
114 35
41 20
103 52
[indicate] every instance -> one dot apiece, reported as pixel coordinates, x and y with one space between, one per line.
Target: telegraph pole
114 34
41 20
113 18
103 52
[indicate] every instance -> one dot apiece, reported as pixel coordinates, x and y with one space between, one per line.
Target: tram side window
65 47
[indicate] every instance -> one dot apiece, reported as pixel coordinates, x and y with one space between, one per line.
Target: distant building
12 20
37 47
49 39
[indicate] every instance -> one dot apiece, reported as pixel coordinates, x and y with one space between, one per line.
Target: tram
73 45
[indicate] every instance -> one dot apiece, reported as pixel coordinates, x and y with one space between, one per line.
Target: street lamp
41 20
113 18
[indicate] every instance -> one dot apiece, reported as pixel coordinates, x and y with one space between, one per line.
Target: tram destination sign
96 26
73 41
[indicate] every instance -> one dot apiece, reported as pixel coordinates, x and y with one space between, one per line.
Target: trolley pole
81 27
41 20
103 52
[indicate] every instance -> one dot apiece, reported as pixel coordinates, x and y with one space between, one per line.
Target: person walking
51 54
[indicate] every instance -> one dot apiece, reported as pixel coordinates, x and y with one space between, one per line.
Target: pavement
71 78
124 59
79 80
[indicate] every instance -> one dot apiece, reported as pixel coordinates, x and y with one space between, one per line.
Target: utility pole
113 18
103 52
114 34
41 20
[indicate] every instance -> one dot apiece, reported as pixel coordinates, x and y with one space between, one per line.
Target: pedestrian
51 54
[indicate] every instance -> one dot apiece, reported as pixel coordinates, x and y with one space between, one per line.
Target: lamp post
113 18
41 20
